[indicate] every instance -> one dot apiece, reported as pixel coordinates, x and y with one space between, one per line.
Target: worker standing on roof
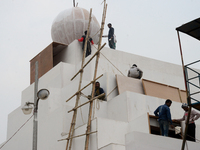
135 72
191 126
88 48
111 36
164 117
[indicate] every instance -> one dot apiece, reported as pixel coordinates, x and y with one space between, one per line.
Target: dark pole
35 120
74 3
188 99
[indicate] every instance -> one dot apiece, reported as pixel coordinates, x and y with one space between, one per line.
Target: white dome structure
70 24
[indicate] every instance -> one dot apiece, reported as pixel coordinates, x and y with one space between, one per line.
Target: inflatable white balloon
70 24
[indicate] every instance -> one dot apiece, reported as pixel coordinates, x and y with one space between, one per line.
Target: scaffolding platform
196 105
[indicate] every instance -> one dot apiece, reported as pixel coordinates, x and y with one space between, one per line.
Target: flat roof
191 28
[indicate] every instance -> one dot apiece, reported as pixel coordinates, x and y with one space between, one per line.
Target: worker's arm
81 39
197 115
181 119
140 70
169 115
92 42
101 92
156 111
90 39
128 73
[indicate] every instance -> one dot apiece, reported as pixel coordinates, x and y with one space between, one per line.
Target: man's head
109 25
168 102
97 85
85 32
185 106
134 65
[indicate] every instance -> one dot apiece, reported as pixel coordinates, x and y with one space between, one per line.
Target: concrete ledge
143 141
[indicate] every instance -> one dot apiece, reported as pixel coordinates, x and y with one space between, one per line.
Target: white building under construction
124 122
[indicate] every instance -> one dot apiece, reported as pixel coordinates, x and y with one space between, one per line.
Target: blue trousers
164 127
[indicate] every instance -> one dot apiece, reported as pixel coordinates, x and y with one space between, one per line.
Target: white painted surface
142 141
111 131
120 115
140 124
113 146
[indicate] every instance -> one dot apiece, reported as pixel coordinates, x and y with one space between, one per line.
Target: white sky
142 27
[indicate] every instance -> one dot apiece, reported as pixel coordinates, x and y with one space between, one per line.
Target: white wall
112 120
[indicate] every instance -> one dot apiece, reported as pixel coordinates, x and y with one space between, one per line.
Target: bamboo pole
78 136
188 98
88 61
84 88
71 132
87 102
95 72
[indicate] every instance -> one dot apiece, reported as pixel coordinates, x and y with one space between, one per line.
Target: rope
111 62
81 112
96 102
95 33
15 133
110 92
192 138
84 95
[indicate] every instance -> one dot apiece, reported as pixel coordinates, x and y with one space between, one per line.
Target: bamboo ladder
77 94
71 132
95 73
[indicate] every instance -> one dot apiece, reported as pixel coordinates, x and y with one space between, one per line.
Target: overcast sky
142 27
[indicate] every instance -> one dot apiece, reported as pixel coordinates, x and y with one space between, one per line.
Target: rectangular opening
155 129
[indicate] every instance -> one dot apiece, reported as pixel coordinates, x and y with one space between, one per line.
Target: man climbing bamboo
88 48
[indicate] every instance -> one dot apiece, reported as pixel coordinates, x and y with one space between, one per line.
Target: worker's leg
166 128
111 44
161 127
191 132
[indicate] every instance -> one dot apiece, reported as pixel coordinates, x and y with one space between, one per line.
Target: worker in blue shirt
164 117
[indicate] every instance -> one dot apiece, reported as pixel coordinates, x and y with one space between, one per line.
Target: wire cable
15 133
110 62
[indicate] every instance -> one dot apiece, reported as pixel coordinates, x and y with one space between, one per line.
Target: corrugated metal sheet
191 28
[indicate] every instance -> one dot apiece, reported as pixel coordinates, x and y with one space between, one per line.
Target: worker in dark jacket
99 91
111 36
88 48
164 117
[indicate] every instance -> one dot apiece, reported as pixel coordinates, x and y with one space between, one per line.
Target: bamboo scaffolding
71 132
88 61
87 102
95 73
84 88
188 97
77 136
